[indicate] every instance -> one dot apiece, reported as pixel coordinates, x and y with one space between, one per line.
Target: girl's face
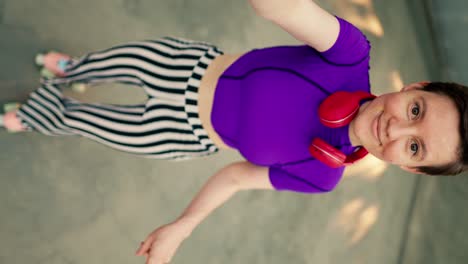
409 128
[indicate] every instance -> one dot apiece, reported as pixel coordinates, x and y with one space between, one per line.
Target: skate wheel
47 74
39 59
78 87
8 107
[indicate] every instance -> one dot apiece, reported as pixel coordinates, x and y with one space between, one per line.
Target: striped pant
166 126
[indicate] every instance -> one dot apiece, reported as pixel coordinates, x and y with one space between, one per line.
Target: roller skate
53 65
7 115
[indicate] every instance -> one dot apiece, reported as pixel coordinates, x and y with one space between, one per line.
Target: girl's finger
145 246
136 253
141 244
153 260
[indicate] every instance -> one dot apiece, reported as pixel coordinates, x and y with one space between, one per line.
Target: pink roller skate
8 118
54 64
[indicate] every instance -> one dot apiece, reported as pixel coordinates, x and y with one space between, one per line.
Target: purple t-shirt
266 105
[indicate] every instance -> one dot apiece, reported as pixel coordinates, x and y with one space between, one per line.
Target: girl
264 103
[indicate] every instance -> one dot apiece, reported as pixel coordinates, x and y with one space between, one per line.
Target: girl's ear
411 170
416 85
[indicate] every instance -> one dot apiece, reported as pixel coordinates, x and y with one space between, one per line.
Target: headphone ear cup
340 108
326 153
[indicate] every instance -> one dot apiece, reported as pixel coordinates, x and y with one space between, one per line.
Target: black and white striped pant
166 126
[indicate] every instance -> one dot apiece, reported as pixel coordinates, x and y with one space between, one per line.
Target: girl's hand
161 245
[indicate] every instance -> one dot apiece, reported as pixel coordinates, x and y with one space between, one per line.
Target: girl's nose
399 128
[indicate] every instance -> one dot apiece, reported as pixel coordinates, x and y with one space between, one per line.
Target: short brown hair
459 95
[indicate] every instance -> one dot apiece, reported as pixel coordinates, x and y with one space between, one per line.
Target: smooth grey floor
70 200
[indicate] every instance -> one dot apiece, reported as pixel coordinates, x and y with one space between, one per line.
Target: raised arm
161 244
303 19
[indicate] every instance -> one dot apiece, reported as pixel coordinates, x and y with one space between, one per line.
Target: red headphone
338 110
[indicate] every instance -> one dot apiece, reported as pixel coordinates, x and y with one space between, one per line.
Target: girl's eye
415 110
414 148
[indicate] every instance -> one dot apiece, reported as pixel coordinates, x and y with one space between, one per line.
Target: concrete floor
70 200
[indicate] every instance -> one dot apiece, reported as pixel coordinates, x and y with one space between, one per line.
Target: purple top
266 105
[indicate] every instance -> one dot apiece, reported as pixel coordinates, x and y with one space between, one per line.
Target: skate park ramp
72 200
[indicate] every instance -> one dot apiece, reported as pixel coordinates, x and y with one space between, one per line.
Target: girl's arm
161 244
303 19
